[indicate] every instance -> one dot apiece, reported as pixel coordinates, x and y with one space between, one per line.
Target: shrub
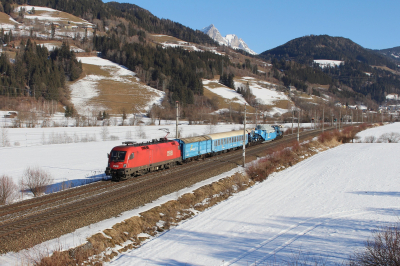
383 249
348 134
389 138
112 137
325 137
8 190
369 139
36 180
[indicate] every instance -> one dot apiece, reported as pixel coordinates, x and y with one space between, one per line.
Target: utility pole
244 137
256 114
292 119
323 119
362 117
177 118
298 128
315 119
351 117
340 116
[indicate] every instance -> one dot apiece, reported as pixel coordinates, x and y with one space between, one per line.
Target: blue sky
265 24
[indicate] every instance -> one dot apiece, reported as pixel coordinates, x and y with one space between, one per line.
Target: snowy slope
230 40
324 207
265 92
85 90
223 91
328 63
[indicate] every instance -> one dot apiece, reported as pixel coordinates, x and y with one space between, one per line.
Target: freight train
134 159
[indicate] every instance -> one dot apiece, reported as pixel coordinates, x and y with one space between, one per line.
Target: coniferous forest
38 73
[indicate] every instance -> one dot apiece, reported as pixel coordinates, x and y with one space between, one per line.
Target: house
392 96
11 115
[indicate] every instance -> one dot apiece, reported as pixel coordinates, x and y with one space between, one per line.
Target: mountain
393 53
309 48
365 71
230 40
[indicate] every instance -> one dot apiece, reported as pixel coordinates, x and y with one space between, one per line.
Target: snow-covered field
264 95
324 207
328 63
81 156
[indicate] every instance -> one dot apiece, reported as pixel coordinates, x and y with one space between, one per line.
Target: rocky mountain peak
230 40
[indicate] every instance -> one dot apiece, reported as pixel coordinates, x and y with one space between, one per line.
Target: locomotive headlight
125 165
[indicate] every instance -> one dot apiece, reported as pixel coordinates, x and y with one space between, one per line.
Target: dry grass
5 19
281 104
117 95
164 38
388 69
64 17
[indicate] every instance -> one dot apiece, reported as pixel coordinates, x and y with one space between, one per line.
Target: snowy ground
328 63
224 92
313 204
258 88
324 207
81 155
267 96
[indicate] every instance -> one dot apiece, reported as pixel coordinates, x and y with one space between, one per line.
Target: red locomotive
134 159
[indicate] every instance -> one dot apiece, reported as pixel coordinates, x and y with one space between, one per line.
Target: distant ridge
393 53
309 48
230 40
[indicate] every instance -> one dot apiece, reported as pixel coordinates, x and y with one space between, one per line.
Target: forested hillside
136 16
392 53
177 70
38 73
306 49
362 70
121 35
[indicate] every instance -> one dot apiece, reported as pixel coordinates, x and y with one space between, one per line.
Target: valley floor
322 208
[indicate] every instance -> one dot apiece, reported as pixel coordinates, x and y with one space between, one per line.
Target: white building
392 96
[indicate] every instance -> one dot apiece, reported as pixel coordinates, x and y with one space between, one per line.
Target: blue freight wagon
195 147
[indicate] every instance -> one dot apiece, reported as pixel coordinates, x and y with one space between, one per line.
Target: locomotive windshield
117 156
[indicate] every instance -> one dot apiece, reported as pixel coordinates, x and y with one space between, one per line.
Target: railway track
28 223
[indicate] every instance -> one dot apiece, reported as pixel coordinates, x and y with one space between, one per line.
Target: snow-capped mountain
230 40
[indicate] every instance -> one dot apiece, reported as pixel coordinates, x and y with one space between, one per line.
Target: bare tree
36 180
383 249
124 115
140 133
4 137
104 133
8 190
